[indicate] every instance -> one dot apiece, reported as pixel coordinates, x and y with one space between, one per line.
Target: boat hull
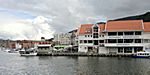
141 56
31 54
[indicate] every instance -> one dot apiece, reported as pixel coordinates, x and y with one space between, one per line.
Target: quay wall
85 54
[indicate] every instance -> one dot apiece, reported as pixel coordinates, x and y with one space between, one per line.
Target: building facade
62 39
114 37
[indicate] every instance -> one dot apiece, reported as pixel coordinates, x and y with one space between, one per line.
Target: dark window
81 41
120 33
128 40
95 42
101 41
95 28
137 40
112 33
128 50
137 49
95 35
90 41
128 33
120 40
138 33
120 50
85 41
112 41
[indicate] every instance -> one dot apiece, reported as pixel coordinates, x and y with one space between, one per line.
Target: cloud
66 15
27 29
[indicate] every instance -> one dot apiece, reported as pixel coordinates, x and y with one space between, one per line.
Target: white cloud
64 15
27 29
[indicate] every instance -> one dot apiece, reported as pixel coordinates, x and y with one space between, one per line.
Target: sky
32 19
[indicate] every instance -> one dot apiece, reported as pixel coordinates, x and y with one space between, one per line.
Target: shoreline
85 54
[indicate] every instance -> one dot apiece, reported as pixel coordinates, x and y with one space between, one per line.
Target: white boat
7 50
142 55
28 52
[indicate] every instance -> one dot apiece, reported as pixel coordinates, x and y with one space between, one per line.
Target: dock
85 54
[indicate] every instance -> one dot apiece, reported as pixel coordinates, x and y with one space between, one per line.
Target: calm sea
14 64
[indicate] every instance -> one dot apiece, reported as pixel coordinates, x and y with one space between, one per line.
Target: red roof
85 29
127 25
146 26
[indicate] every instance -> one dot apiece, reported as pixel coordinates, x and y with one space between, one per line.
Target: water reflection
12 64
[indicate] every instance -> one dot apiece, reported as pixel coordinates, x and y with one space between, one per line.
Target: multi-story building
115 37
91 38
62 39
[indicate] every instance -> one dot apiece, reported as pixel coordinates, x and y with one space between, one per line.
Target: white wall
103 50
146 35
82 48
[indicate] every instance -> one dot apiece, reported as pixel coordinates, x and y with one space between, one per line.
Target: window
112 41
128 33
95 42
90 41
95 35
138 33
101 41
120 40
85 41
95 28
137 40
81 41
85 35
88 35
128 40
137 49
120 50
112 33
120 33
128 50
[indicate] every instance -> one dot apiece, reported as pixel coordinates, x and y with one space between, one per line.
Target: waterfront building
62 41
114 37
91 38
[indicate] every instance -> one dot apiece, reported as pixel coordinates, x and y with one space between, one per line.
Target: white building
115 37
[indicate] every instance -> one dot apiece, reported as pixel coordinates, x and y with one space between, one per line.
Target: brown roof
85 29
127 25
146 26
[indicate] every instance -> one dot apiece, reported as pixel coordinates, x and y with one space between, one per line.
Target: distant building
62 39
114 37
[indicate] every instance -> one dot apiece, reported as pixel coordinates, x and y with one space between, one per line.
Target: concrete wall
103 50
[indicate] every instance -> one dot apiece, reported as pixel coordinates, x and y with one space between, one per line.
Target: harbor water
14 64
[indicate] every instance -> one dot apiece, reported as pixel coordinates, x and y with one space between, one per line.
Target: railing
123 44
124 37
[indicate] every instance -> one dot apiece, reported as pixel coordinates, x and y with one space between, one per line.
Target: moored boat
28 52
141 55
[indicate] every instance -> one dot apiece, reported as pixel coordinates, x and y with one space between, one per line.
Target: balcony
123 44
124 37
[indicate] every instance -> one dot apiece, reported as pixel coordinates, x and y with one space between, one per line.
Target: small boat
28 52
141 55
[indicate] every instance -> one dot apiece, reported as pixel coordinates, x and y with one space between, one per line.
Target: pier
85 54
